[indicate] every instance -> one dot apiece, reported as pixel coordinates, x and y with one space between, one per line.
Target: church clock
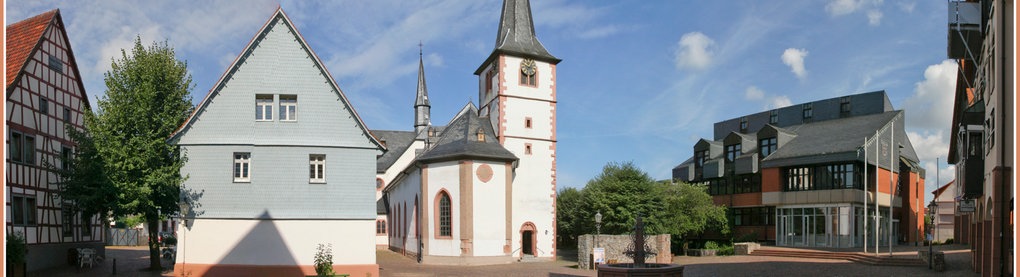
528 67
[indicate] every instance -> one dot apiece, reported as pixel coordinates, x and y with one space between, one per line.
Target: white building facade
481 189
267 188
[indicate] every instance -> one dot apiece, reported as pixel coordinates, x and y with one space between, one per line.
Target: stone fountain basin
650 270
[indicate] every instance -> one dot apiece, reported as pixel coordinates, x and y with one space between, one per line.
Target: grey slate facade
278 63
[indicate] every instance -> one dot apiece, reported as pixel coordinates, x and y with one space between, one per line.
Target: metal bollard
115 266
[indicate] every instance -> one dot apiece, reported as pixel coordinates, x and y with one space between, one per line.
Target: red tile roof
22 38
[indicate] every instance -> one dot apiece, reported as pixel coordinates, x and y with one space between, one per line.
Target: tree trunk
154 262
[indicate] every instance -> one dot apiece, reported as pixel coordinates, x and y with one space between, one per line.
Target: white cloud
780 101
842 7
434 59
754 93
930 145
874 17
931 105
794 58
599 32
695 51
845 7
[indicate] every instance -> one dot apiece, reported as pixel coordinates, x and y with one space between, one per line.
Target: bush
711 245
949 241
324 260
725 251
16 248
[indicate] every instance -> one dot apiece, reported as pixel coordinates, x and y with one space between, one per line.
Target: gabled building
481 189
945 213
797 175
44 94
271 185
980 39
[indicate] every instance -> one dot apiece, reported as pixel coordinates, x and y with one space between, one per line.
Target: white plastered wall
275 242
443 175
489 201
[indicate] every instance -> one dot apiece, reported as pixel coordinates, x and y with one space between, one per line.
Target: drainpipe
1003 184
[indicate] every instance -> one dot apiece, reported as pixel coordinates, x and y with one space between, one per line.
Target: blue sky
640 81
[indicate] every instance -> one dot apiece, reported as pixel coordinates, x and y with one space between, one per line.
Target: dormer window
481 135
700 157
808 112
732 152
743 123
774 117
766 146
844 105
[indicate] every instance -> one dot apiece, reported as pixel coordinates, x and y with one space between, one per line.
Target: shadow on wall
261 245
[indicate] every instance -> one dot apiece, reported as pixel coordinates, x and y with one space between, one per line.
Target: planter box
701 252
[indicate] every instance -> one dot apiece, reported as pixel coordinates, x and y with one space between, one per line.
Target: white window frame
288 107
241 170
264 107
317 168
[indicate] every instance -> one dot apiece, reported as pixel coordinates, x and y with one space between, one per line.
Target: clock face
528 67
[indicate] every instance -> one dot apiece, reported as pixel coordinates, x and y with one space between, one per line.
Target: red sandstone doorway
528 238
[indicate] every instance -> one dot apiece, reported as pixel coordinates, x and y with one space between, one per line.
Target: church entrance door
526 245
528 238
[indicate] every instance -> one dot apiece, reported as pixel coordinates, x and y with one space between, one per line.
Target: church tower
517 92
421 102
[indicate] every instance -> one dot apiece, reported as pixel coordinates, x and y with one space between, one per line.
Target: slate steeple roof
517 31
516 34
422 108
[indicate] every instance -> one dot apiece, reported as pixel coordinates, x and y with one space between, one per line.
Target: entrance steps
857 257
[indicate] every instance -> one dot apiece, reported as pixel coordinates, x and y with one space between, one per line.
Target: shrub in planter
324 260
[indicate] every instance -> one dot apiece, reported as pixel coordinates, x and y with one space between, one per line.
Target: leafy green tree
620 193
82 180
147 98
568 205
688 210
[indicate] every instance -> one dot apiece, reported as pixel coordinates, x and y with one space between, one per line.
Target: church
482 188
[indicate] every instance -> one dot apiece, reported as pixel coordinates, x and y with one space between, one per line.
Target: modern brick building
980 38
796 175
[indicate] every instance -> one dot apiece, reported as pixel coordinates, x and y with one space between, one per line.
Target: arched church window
444 215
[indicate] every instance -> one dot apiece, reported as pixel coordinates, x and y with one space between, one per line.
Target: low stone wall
616 244
745 248
940 259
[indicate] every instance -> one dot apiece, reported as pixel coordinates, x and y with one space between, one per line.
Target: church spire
421 102
517 32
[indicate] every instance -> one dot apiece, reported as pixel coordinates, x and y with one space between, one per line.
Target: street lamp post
931 212
598 227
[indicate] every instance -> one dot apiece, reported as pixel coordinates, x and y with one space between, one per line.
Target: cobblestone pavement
131 261
393 264
957 264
